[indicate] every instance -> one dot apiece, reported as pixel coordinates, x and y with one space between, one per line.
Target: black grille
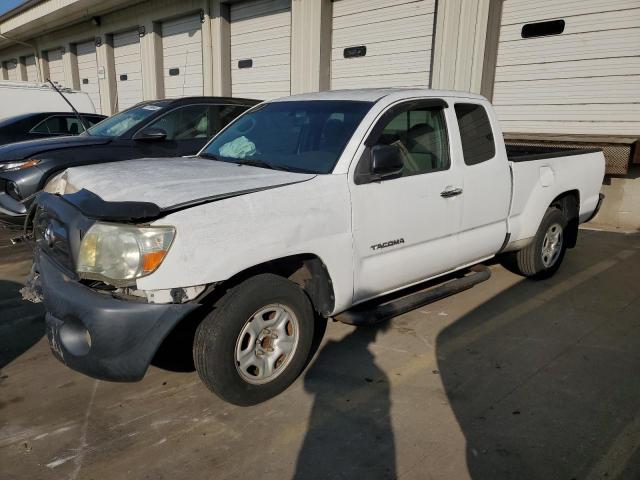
52 237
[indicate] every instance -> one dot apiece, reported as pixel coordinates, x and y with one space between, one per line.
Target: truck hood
30 148
174 182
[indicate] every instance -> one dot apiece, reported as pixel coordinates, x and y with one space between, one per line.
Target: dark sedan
160 128
33 126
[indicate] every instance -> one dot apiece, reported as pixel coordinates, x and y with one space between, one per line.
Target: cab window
420 133
476 133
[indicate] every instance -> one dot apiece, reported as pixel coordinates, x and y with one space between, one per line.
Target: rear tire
256 341
543 256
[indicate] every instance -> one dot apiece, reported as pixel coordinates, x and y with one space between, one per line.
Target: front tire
543 256
256 340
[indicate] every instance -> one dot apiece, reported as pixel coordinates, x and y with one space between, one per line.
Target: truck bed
527 153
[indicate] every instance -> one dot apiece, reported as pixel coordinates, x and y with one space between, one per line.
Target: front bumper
97 334
12 212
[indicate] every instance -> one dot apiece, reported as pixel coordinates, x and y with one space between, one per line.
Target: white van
17 98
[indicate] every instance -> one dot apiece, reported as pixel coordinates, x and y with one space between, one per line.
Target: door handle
450 192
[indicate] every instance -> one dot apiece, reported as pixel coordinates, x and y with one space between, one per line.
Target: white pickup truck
305 208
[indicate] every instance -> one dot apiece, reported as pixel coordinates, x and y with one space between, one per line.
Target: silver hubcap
267 344
552 245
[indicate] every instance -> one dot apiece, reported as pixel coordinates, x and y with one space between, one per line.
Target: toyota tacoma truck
320 206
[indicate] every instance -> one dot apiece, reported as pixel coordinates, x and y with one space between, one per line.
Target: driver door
405 228
187 130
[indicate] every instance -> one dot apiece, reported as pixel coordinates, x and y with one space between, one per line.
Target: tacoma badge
390 243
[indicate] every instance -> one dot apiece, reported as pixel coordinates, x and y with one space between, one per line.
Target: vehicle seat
420 140
201 127
74 129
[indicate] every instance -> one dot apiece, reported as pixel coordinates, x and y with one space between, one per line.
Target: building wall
475 46
311 34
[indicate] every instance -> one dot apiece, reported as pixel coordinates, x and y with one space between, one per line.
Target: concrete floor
512 379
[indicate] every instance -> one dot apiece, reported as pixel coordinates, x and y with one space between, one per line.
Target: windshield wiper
256 163
259 163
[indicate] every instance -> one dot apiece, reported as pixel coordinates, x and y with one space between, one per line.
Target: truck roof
375 94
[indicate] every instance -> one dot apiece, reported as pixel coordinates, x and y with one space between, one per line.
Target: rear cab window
476 133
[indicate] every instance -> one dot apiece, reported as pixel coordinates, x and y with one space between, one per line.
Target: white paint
56 67
88 72
13 72
31 68
198 178
398 35
261 32
17 98
182 50
332 217
583 81
126 52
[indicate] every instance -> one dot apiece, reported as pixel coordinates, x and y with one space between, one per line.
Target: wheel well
569 204
306 270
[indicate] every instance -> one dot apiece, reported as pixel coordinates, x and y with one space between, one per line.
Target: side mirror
152 135
386 161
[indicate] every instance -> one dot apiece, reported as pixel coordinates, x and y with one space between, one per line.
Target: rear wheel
543 256
256 341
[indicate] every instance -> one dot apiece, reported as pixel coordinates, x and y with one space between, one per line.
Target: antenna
80 119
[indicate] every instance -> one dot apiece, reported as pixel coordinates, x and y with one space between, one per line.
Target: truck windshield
304 136
121 122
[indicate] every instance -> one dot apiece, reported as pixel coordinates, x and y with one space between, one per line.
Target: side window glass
475 133
222 115
93 120
185 123
421 135
72 126
57 125
41 128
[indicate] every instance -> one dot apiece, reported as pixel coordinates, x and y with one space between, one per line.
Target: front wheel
542 257
256 341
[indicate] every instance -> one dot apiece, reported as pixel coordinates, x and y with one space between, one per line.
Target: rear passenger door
405 227
487 183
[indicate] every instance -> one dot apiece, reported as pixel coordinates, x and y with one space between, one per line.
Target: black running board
376 313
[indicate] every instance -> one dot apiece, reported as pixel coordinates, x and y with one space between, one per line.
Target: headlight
10 166
121 253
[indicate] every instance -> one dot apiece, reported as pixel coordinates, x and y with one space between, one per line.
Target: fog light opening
75 338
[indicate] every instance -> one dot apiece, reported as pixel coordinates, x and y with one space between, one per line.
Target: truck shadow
543 377
349 434
21 323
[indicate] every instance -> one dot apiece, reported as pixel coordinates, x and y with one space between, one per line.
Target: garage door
126 52
30 67
88 72
569 67
261 49
381 43
56 66
182 57
12 70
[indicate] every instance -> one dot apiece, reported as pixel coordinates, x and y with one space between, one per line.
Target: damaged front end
103 331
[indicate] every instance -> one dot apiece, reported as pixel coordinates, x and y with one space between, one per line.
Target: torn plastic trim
94 207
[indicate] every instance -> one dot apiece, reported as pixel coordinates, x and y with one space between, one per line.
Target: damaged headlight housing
18 165
122 253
